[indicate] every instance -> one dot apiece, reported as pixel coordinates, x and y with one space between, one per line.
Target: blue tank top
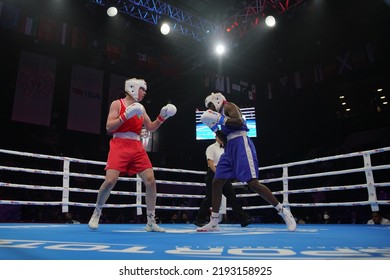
227 129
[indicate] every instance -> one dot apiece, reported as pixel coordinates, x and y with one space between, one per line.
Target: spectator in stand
377 219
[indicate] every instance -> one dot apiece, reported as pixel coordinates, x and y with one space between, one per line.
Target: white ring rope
368 169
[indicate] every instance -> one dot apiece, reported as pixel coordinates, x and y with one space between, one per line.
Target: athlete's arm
234 114
211 164
113 120
149 124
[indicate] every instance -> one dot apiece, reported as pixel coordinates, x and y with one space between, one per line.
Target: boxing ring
353 182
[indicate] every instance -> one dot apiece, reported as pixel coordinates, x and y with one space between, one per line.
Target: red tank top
134 124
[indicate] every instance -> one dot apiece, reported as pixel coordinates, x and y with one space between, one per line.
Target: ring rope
321 159
368 168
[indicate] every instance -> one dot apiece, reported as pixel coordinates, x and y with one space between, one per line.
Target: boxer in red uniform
127 154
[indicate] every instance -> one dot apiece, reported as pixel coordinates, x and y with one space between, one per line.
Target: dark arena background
317 85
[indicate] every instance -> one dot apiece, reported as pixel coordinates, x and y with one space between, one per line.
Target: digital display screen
203 132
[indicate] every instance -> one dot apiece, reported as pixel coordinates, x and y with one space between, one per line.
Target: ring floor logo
258 241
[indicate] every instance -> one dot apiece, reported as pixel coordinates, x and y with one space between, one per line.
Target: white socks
279 207
150 216
214 218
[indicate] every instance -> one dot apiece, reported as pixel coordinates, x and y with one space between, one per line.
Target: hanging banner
85 99
34 89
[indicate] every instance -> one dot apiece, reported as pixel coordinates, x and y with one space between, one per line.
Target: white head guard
216 98
132 86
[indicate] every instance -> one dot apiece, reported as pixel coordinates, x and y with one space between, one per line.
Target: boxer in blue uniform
239 160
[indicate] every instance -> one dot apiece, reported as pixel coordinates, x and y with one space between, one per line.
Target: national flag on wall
331 71
318 73
142 60
308 77
116 50
359 58
252 93
9 16
220 83
206 80
85 99
344 63
244 89
285 85
153 63
79 38
49 30
228 86
236 87
28 25
297 80
269 91
372 50
97 43
168 66
65 34
34 89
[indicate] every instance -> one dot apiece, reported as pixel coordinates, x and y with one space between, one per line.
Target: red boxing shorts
128 156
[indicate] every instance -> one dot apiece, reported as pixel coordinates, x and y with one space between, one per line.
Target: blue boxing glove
213 119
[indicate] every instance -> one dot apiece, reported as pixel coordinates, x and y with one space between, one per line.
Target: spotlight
270 21
220 49
112 11
165 29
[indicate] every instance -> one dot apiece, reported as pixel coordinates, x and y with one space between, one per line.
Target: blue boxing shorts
239 161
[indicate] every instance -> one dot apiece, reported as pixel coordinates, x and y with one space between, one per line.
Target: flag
220 83
359 58
269 90
244 89
309 76
318 75
10 16
252 93
285 85
168 66
34 89
65 36
228 87
371 50
297 80
116 50
206 80
85 99
330 71
142 59
49 30
235 86
78 38
28 26
97 44
345 65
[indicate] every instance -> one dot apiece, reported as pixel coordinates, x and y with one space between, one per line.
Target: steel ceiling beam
153 11
250 16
